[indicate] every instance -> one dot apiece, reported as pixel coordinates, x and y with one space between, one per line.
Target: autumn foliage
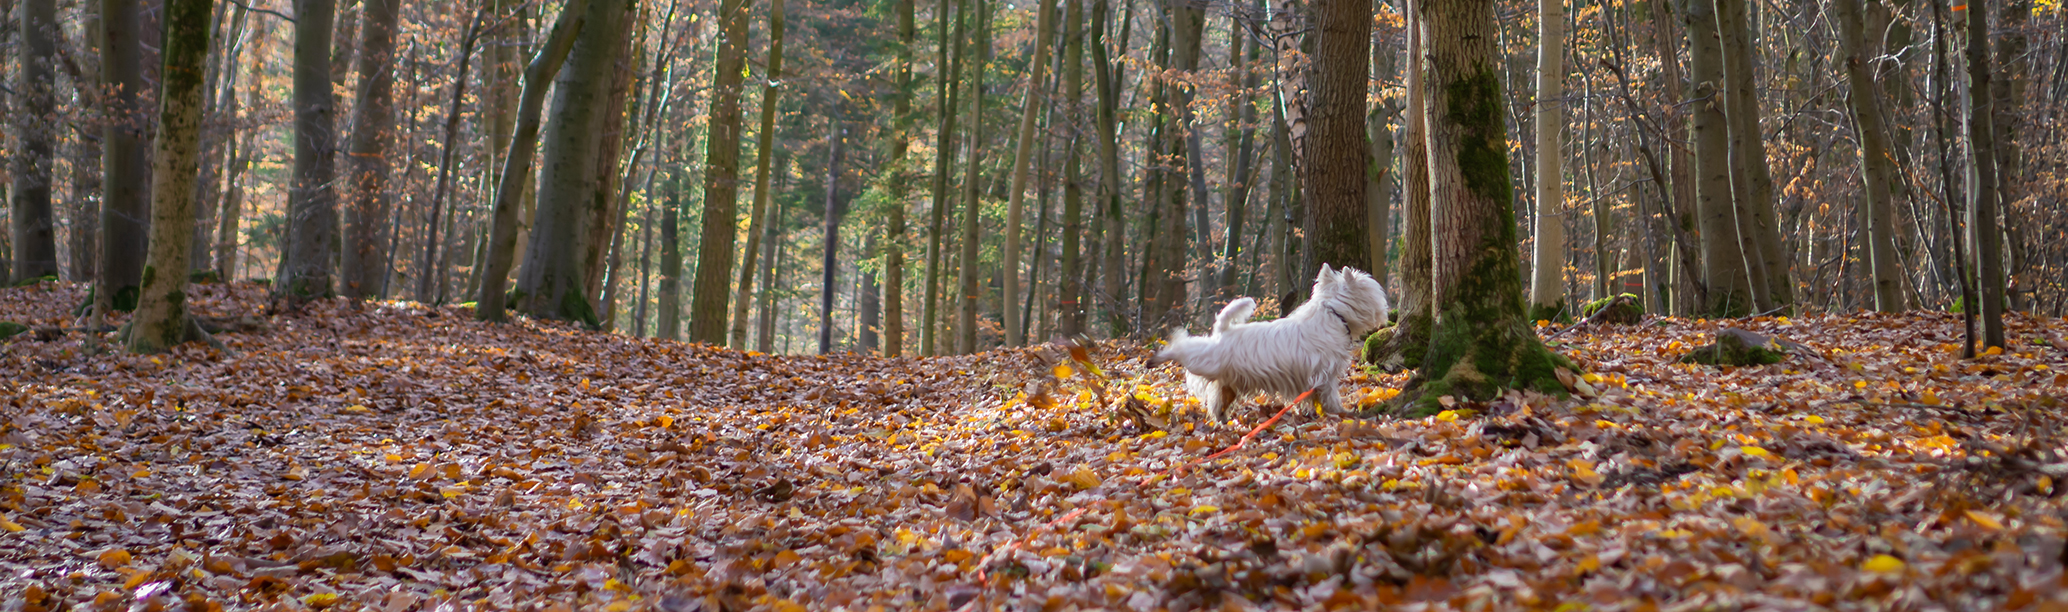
392 456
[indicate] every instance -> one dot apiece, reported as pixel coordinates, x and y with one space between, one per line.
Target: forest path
396 456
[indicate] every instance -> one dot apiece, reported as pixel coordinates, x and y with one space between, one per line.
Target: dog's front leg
1330 400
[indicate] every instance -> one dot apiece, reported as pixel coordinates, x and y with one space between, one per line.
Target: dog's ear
1326 276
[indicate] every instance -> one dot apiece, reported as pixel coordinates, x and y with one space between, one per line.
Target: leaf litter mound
391 456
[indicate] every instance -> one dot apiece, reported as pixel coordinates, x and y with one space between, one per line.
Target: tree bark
1408 341
668 324
1547 286
312 203
829 263
1481 343
968 274
1379 170
1106 202
947 88
125 172
894 227
430 288
226 233
757 215
1338 216
35 224
372 118
2007 91
721 183
1985 230
1022 160
1767 257
1723 257
515 179
1070 286
161 320
552 284
1878 168
1686 281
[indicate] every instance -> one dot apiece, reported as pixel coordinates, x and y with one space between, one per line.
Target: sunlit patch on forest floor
392 457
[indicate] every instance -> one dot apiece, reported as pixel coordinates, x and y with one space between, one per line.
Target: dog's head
1354 295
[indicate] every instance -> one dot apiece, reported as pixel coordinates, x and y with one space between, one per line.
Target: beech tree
161 317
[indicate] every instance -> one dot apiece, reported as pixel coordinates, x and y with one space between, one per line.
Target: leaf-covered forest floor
392 456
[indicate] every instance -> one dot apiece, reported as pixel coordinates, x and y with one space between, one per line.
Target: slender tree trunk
1113 222
1985 231
900 138
947 87
1379 169
1768 261
668 324
1338 216
226 234
829 265
757 215
603 219
1022 160
431 275
721 177
969 273
372 118
513 182
1667 39
772 252
161 320
1547 286
125 209
220 91
1723 257
2007 91
35 225
312 203
1070 285
1878 169
1409 342
1481 343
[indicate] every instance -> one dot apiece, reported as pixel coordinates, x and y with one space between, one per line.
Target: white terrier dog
1308 349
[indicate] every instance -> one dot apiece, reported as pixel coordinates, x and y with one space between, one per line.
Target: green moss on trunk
1556 312
1401 346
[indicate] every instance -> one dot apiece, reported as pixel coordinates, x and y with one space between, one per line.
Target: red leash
1245 437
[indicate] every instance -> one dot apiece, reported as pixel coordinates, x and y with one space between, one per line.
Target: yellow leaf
1993 351
451 492
1930 398
1983 519
355 409
1155 434
665 421
1589 563
13 527
1883 564
1198 510
1813 420
113 559
1753 451
1591 378
319 600
1447 416
1083 478
419 470
1062 370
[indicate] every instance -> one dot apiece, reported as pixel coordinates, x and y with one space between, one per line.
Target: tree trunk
757 215
1107 205
829 264
894 227
219 92
1408 342
514 181
721 177
1985 231
2007 91
1680 163
968 274
1022 160
161 319
1481 343
1768 257
125 172
1335 152
1723 257
1547 286
312 203
1379 169
35 225
668 324
430 288
947 87
226 234
1878 168
372 118
772 252
602 218
1070 285
551 285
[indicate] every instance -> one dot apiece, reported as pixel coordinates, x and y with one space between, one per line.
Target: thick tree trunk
1878 168
1338 216
514 181
35 225
312 202
602 218
829 267
1984 227
1022 160
2007 91
1481 343
161 319
125 162
1723 257
721 183
551 285
1106 202
947 89
1547 279
757 215
372 118
1767 257
668 324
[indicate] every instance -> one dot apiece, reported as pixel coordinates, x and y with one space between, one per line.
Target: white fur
1307 349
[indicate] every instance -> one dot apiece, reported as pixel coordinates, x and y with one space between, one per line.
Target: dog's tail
1235 313
1180 348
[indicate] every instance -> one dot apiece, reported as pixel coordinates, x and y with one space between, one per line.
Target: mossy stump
1400 347
1625 309
1737 347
